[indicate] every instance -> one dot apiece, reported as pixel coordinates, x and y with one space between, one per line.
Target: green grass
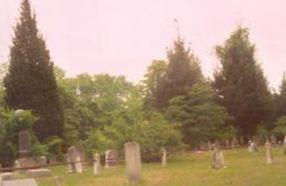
189 169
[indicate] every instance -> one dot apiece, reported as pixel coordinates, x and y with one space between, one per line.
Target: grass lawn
189 169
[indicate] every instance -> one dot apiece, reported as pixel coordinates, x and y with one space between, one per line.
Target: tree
200 117
240 83
153 78
131 124
183 71
30 82
281 99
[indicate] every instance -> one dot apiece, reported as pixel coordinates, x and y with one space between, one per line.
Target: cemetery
72 113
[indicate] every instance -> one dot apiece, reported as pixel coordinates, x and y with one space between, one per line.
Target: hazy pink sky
122 37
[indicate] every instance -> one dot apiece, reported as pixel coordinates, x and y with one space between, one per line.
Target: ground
189 169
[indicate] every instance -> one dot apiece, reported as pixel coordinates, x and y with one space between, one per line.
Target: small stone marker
78 164
164 157
218 158
227 143
269 157
284 144
252 146
241 140
24 143
111 158
21 182
209 145
133 161
96 164
43 160
273 140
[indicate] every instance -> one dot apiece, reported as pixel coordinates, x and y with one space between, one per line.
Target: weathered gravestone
268 149
218 158
210 147
273 140
234 142
164 157
252 146
133 161
74 158
284 144
111 158
227 143
96 164
24 143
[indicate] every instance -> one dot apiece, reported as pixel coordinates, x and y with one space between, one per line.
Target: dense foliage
240 83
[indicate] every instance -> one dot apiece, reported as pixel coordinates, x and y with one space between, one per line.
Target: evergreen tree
153 77
200 117
30 82
281 99
241 84
182 72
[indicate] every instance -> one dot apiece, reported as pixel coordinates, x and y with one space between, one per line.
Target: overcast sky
122 37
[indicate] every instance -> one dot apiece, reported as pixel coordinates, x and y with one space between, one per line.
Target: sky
122 37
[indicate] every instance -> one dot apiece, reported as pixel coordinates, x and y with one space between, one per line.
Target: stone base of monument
28 162
8 176
36 173
22 182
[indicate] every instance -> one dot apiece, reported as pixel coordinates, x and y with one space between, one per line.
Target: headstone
133 161
241 140
43 160
284 144
269 157
209 145
273 140
164 157
111 158
227 144
218 158
71 166
21 182
24 143
74 158
96 164
234 142
17 164
78 164
252 146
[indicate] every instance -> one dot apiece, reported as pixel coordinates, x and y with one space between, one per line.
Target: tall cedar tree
30 82
241 83
153 77
281 99
183 71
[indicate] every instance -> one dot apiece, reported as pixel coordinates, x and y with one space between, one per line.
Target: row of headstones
132 160
218 157
237 142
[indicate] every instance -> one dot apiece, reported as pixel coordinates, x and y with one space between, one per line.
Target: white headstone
218 159
269 157
133 161
78 164
96 164
164 157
